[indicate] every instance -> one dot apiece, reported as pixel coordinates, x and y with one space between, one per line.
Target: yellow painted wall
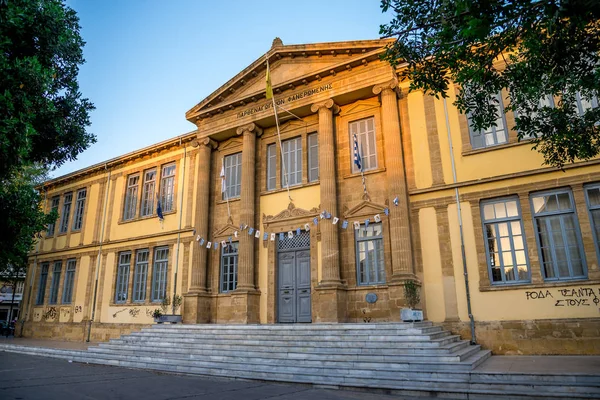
433 286
84 269
418 135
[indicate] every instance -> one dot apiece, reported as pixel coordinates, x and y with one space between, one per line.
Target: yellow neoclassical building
286 226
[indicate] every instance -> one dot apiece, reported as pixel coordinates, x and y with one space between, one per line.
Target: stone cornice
391 85
250 128
208 142
328 104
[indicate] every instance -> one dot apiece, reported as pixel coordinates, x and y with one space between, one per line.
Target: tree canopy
43 116
546 54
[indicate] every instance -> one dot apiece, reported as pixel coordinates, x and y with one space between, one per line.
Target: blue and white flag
386 211
159 212
396 201
265 236
250 231
357 157
297 231
281 236
344 224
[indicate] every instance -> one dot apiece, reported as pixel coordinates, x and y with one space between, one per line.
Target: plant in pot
164 305
412 298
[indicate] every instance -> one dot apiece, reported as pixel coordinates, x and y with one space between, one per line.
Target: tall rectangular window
494 135
313 157
592 195
233 176
148 193
43 281
370 265
55 284
122 285
584 104
558 236
545 101
167 187
131 199
140 275
367 146
271 167
66 210
67 295
229 266
159 273
53 206
505 246
291 162
79 208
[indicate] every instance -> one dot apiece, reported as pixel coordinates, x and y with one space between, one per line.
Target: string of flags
266 236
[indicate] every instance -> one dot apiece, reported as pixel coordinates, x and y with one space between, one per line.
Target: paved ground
24 377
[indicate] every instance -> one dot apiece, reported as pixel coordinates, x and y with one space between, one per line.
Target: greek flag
357 157
222 175
159 211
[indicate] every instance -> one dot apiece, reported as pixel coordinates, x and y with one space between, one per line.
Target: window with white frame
122 285
229 267
43 281
66 210
233 176
505 247
592 195
271 167
53 206
140 275
79 208
67 294
147 207
370 265
131 197
159 273
585 103
55 284
558 235
167 188
545 101
494 135
367 143
313 157
291 166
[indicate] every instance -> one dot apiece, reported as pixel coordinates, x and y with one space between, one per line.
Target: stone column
400 234
196 308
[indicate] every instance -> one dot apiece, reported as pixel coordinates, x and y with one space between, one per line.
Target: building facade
266 225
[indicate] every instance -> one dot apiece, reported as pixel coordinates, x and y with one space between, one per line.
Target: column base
329 303
245 307
197 308
400 278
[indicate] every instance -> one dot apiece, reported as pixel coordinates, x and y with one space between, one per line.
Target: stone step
351 327
395 351
267 354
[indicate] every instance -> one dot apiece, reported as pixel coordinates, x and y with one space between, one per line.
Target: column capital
390 85
208 142
250 128
325 104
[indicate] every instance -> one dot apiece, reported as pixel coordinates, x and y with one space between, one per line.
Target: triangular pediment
361 105
364 209
292 67
291 214
225 231
230 144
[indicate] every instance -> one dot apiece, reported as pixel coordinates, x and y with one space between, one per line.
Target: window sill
230 200
543 285
358 174
292 188
496 147
144 218
370 286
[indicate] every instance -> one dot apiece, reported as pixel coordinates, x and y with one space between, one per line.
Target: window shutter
313 157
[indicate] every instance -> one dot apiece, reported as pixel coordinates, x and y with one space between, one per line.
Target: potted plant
412 298
161 315
156 314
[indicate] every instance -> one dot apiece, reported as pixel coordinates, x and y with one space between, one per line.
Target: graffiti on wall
118 312
50 313
570 297
134 312
78 309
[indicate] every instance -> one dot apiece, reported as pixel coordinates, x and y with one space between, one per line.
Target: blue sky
149 61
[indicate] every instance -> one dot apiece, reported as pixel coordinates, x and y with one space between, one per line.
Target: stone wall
77 331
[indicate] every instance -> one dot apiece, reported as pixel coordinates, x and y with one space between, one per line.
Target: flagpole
225 187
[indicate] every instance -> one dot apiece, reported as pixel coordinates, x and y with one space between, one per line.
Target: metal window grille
292 160
494 135
122 277
159 273
131 194
148 193
79 207
54 285
233 176
558 236
229 264
67 295
506 248
140 275
370 265
313 157
365 134
300 241
167 188
54 206
271 167
66 210
43 280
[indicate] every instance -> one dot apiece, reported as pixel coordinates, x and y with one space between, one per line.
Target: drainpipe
99 253
179 230
460 227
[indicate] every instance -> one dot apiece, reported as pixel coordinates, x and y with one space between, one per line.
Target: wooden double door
293 283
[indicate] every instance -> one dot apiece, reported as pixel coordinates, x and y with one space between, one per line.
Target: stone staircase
411 358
